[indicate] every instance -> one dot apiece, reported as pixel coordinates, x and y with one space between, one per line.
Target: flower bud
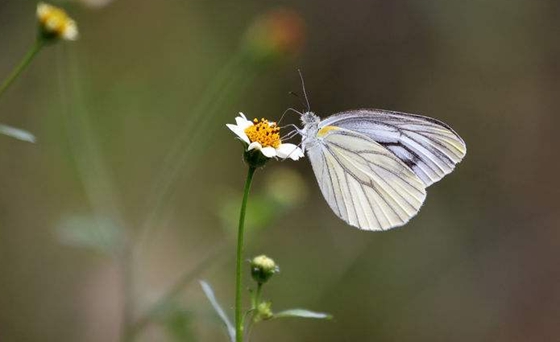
264 312
262 268
277 34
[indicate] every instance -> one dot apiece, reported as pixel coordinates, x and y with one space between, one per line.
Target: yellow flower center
264 132
54 19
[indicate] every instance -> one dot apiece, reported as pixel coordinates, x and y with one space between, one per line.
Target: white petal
289 151
71 31
243 122
297 154
43 9
239 132
254 146
242 115
269 152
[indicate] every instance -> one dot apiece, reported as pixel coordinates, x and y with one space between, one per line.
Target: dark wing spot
410 160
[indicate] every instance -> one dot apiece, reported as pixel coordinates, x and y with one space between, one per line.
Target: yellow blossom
266 133
55 23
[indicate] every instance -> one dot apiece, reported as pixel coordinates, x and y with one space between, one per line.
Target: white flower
56 23
264 136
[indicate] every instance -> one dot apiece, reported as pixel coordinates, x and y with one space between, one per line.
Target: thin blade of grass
212 298
302 313
17 133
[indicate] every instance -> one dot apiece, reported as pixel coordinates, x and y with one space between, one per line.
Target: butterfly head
310 123
310 119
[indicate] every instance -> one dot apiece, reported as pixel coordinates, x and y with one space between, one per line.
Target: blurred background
133 159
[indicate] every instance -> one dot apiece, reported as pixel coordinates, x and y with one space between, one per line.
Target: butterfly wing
428 146
364 183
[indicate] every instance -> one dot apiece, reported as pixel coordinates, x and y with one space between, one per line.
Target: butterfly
373 166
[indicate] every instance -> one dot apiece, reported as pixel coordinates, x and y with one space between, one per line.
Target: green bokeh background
479 262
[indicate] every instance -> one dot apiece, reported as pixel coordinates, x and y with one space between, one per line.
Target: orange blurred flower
277 34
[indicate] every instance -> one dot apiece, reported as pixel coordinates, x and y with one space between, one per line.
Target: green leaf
97 233
302 313
178 324
17 133
221 313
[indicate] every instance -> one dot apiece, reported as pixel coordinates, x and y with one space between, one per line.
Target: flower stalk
261 142
257 296
239 269
54 24
39 43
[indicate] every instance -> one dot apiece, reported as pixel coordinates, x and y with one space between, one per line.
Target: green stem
238 309
39 43
254 311
258 295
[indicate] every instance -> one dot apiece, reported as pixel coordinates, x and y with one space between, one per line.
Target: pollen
264 132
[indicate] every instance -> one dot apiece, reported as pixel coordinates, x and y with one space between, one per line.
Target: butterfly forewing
365 184
428 146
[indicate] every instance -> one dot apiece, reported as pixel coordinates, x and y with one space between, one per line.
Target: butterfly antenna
289 110
304 92
298 97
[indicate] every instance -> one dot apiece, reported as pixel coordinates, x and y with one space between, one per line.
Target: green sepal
46 36
255 158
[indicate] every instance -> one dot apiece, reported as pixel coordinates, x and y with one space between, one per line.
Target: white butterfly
373 166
